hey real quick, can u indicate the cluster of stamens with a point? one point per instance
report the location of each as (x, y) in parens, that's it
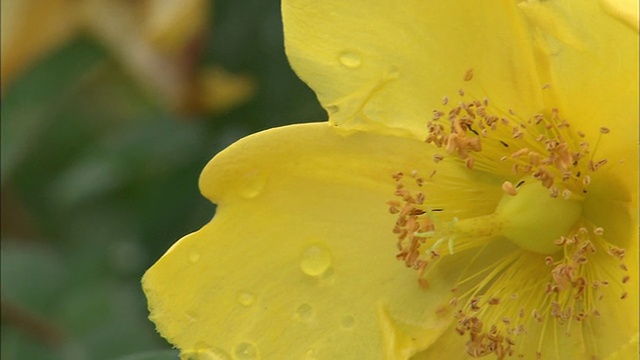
(541, 148)
(570, 295)
(549, 155)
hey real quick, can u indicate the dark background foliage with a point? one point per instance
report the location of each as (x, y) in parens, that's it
(99, 179)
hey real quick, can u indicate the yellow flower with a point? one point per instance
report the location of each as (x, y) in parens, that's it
(155, 40)
(517, 215)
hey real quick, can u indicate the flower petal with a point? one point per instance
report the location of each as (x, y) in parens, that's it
(299, 258)
(378, 65)
(589, 55)
(628, 351)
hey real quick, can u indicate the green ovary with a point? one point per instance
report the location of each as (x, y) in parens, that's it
(533, 220)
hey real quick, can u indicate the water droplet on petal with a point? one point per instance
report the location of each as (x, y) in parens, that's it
(245, 298)
(252, 184)
(350, 59)
(246, 351)
(348, 322)
(205, 354)
(304, 312)
(194, 256)
(316, 260)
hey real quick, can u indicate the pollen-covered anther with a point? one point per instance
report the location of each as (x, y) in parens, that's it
(394, 207)
(517, 133)
(509, 189)
(412, 224)
(481, 342)
(595, 166)
(545, 147)
(616, 252)
(468, 75)
(545, 280)
(521, 152)
(469, 163)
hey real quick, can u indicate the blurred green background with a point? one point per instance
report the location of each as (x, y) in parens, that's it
(101, 157)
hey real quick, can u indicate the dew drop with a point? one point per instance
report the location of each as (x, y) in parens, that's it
(304, 312)
(347, 322)
(194, 256)
(205, 354)
(245, 298)
(246, 351)
(252, 184)
(350, 59)
(316, 260)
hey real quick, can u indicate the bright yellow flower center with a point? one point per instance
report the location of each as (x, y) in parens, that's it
(533, 220)
(518, 205)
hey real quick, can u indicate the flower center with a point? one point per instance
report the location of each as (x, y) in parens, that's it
(534, 221)
(560, 266)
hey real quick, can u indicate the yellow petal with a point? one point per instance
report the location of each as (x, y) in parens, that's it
(589, 55)
(628, 351)
(299, 259)
(381, 64)
(625, 10)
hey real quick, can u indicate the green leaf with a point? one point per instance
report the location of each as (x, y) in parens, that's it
(29, 103)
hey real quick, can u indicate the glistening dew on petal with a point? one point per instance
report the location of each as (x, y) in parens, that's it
(552, 268)
(520, 220)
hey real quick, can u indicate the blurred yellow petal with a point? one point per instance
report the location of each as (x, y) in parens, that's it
(31, 28)
(157, 41)
(628, 351)
(220, 90)
(171, 25)
(119, 26)
(381, 64)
